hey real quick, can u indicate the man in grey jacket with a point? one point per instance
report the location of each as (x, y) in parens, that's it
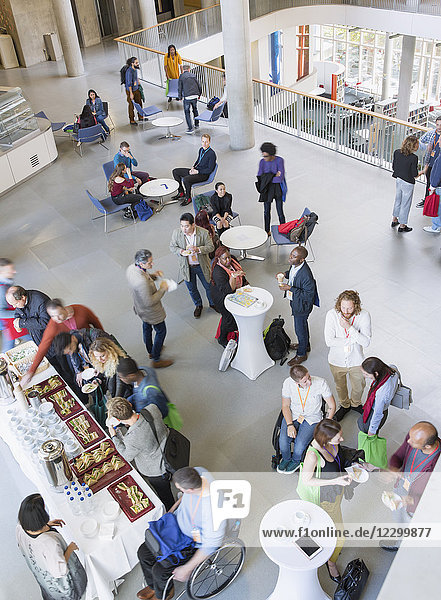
(189, 89)
(193, 245)
(148, 306)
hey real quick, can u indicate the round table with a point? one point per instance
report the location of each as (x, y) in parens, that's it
(158, 188)
(168, 122)
(298, 578)
(244, 238)
(251, 357)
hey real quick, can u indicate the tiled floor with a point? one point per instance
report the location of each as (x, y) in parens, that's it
(46, 228)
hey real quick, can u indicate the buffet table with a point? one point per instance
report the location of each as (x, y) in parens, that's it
(105, 560)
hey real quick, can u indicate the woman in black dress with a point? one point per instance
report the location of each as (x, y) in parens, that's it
(221, 204)
(226, 277)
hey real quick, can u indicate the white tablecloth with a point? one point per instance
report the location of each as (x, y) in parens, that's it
(105, 561)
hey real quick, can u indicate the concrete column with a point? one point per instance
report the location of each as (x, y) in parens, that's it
(237, 53)
(387, 67)
(68, 37)
(405, 82)
(148, 13)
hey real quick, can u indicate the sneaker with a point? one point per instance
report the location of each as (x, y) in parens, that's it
(185, 201)
(404, 229)
(394, 223)
(282, 466)
(420, 204)
(169, 100)
(127, 214)
(430, 229)
(196, 126)
(178, 196)
(292, 466)
(189, 131)
(342, 412)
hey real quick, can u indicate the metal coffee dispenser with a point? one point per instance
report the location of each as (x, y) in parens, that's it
(6, 393)
(55, 464)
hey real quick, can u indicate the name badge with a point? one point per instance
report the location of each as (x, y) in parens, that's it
(406, 484)
(433, 153)
(196, 535)
(289, 295)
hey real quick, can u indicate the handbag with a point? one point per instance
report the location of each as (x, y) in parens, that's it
(176, 452)
(353, 581)
(374, 449)
(99, 407)
(431, 205)
(310, 493)
(173, 419)
(144, 210)
(402, 397)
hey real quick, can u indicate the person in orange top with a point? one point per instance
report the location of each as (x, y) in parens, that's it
(62, 319)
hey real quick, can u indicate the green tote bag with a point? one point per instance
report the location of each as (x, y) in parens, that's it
(374, 449)
(308, 492)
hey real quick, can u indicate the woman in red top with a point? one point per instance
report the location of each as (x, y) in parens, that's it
(122, 189)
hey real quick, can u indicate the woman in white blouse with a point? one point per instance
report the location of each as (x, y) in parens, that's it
(52, 561)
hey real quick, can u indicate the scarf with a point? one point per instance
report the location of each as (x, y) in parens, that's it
(237, 267)
(371, 396)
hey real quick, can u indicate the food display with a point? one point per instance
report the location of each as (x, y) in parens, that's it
(47, 386)
(21, 358)
(85, 429)
(106, 473)
(64, 403)
(93, 457)
(133, 501)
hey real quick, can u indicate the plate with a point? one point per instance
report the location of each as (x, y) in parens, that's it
(88, 374)
(64, 403)
(124, 501)
(391, 500)
(93, 432)
(185, 253)
(93, 457)
(88, 388)
(359, 476)
(122, 467)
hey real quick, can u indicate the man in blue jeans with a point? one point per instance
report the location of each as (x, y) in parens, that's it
(189, 89)
(193, 245)
(302, 397)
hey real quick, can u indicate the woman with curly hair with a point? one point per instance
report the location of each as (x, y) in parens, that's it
(271, 183)
(105, 356)
(405, 171)
(347, 333)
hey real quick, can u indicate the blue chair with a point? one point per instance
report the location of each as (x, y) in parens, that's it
(146, 112)
(108, 169)
(54, 126)
(282, 240)
(211, 116)
(87, 136)
(106, 112)
(173, 89)
(208, 181)
(210, 193)
(107, 207)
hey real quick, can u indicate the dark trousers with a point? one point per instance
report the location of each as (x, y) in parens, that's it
(193, 104)
(274, 193)
(185, 180)
(154, 347)
(138, 100)
(192, 286)
(429, 170)
(364, 427)
(302, 332)
(156, 574)
(228, 325)
(162, 489)
(132, 199)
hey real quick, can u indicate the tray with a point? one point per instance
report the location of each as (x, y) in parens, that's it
(48, 386)
(109, 477)
(70, 410)
(93, 428)
(78, 470)
(123, 500)
(21, 357)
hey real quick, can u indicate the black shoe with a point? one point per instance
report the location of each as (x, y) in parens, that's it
(186, 201)
(420, 204)
(134, 123)
(197, 312)
(394, 223)
(335, 579)
(404, 229)
(178, 196)
(341, 413)
(358, 409)
(169, 100)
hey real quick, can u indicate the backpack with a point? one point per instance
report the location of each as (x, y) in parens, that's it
(122, 73)
(202, 202)
(277, 341)
(176, 453)
(212, 103)
(275, 459)
(165, 539)
(299, 230)
(144, 210)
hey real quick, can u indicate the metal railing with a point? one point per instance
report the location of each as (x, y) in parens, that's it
(355, 132)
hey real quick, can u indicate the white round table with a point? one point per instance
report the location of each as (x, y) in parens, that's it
(244, 238)
(168, 122)
(158, 188)
(298, 578)
(251, 357)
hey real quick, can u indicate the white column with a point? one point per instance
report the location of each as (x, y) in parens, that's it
(68, 37)
(237, 52)
(387, 67)
(148, 13)
(405, 82)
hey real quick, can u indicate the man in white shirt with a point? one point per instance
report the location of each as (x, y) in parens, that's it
(302, 397)
(347, 333)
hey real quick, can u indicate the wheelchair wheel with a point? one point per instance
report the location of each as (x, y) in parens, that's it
(217, 571)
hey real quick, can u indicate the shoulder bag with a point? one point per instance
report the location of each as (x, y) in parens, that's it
(353, 581)
(403, 396)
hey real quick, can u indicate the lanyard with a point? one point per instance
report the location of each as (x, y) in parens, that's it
(336, 457)
(201, 156)
(423, 461)
(346, 330)
(197, 506)
(306, 397)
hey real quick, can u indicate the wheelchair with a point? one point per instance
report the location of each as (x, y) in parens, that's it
(216, 572)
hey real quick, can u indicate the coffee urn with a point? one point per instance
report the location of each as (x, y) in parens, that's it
(6, 390)
(55, 464)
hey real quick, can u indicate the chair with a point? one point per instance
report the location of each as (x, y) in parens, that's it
(172, 89)
(108, 170)
(54, 126)
(106, 112)
(107, 207)
(211, 116)
(210, 193)
(146, 112)
(89, 135)
(207, 181)
(282, 240)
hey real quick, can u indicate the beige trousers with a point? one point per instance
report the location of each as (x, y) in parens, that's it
(357, 381)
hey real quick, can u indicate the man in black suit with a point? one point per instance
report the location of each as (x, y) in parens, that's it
(302, 293)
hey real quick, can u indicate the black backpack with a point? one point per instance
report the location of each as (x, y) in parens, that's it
(212, 103)
(122, 73)
(277, 341)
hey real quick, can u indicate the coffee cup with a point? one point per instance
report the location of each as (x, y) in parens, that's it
(302, 518)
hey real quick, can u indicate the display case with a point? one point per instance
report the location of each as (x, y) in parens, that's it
(17, 120)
